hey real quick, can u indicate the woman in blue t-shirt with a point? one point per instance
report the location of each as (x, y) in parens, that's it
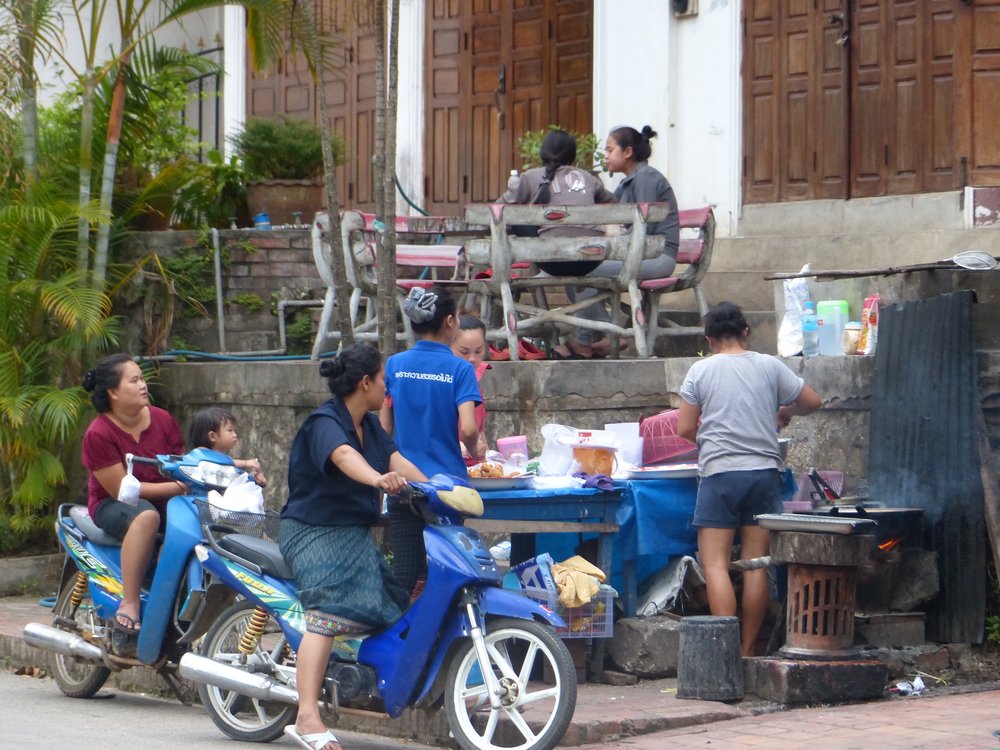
(430, 390)
(340, 464)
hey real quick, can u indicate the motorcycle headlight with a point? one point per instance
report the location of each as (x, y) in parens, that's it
(211, 474)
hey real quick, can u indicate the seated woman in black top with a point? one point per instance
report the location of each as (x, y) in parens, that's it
(340, 464)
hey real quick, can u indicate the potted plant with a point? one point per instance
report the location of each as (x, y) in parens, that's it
(284, 163)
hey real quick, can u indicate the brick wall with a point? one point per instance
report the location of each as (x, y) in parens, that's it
(272, 264)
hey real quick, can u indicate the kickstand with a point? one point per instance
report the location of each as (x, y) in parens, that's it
(175, 686)
(330, 700)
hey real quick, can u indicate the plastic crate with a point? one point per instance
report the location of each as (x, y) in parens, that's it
(660, 442)
(593, 620)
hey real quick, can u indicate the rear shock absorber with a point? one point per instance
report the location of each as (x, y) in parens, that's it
(79, 589)
(255, 629)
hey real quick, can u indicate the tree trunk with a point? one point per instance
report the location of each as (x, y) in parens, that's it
(115, 114)
(387, 271)
(342, 287)
(86, 172)
(29, 89)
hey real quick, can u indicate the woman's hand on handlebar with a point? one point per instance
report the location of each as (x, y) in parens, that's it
(391, 482)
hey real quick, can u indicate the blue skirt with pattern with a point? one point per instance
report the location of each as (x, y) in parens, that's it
(344, 582)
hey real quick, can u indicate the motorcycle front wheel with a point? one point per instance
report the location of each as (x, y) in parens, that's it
(537, 689)
(241, 717)
(77, 678)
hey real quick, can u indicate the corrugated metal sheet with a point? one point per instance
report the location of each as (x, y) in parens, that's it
(923, 451)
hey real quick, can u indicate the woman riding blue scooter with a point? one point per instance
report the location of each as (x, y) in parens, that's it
(340, 464)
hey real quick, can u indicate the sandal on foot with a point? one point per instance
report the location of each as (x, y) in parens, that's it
(316, 741)
(127, 623)
(124, 640)
(558, 356)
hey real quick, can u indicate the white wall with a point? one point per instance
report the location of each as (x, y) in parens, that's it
(681, 77)
(410, 105)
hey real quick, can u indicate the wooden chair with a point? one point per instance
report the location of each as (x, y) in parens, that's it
(695, 254)
(502, 250)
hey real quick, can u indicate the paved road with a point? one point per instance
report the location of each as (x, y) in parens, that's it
(34, 714)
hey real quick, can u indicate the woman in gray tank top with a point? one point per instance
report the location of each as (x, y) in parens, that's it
(742, 399)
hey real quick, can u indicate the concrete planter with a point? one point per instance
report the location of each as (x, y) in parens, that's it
(279, 198)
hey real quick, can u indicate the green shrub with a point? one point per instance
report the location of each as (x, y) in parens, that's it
(283, 149)
(249, 301)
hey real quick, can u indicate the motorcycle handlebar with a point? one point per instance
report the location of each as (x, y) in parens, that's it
(141, 459)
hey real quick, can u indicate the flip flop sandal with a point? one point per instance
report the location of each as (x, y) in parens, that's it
(124, 639)
(558, 356)
(316, 741)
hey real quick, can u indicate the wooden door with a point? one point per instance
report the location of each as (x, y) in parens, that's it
(496, 69)
(853, 98)
(287, 90)
(979, 88)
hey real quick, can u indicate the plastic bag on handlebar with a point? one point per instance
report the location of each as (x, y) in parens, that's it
(128, 490)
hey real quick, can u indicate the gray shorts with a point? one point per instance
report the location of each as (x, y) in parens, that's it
(731, 499)
(114, 517)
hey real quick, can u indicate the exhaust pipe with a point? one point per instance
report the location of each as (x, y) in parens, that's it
(208, 672)
(68, 644)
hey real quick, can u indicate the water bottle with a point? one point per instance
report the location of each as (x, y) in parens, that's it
(810, 331)
(514, 181)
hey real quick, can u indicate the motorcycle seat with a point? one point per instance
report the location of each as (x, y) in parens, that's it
(261, 552)
(93, 532)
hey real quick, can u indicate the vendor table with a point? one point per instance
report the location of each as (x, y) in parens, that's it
(646, 521)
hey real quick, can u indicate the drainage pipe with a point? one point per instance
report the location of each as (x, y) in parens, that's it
(220, 305)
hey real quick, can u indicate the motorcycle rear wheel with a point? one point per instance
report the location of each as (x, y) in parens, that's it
(77, 678)
(238, 716)
(523, 654)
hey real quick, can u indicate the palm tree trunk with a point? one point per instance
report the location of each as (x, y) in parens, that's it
(86, 168)
(342, 287)
(115, 114)
(385, 190)
(29, 88)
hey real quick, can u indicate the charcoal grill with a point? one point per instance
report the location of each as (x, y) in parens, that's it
(823, 555)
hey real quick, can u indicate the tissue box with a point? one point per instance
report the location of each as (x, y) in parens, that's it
(536, 573)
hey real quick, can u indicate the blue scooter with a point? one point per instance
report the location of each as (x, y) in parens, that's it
(489, 656)
(179, 600)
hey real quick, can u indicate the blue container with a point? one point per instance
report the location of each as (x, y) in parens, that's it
(262, 221)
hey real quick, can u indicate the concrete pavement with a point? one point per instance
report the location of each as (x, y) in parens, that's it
(649, 716)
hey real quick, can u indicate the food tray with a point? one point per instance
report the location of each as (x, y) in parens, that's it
(814, 523)
(666, 471)
(520, 482)
(592, 620)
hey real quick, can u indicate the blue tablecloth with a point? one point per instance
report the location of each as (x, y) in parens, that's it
(654, 518)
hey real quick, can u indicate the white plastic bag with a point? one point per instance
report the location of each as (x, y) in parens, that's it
(243, 496)
(790, 330)
(557, 457)
(128, 490)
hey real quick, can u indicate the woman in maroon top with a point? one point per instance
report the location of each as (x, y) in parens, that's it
(126, 423)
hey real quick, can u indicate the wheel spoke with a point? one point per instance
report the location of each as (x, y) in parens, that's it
(539, 695)
(502, 660)
(528, 664)
(228, 698)
(259, 708)
(491, 725)
(518, 721)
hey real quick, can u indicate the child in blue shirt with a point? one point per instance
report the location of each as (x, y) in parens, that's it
(429, 390)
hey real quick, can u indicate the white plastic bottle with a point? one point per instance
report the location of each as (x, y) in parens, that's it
(810, 330)
(514, 181)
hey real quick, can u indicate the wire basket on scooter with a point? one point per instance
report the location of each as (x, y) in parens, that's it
(218, 522)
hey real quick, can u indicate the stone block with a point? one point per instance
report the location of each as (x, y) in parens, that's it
(795, 682)
(917, 580)
(646, 646)
(890, 629)
(937, 660)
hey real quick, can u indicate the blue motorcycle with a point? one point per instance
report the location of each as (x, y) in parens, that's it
(179, 604)
(489, 656)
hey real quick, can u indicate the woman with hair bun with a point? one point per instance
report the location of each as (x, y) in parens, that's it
(742, 399)
(627, 151)
(431, 390)
(127, 423)
(340, 464)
